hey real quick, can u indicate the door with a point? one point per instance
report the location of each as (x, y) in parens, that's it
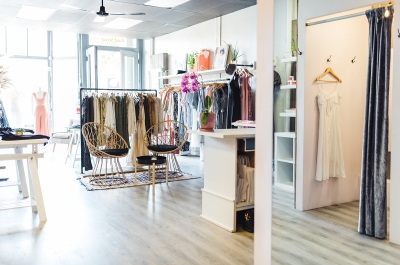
(129, 70)
(91, 67)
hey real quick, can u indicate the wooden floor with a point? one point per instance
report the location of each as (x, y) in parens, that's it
(137, 226)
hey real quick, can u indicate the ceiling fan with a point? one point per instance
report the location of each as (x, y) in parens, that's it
(102, 12)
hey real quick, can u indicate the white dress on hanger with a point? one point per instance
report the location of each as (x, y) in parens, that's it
(330, 154)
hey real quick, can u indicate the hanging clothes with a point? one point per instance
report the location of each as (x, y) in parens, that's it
(40, 113)
(330, 161)
(3, 116)
(234, 106)
(87, 116)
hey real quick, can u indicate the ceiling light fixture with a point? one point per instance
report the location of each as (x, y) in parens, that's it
(165, 3)
(122, 23)
(386, 12)
(35, 13)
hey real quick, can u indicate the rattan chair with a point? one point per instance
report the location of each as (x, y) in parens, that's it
(105, 144)
(166, 138)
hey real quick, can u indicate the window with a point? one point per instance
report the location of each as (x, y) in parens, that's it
(37, 42)
(112, 41)
(2, 40)
(17, 41)
(65, 44)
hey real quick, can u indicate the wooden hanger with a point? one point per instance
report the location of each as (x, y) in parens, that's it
(329, 71)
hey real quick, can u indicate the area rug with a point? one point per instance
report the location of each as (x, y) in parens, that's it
(142, 179)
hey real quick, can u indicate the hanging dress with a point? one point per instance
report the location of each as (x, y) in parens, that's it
(41, 125)
(3, 116)
(330, 154)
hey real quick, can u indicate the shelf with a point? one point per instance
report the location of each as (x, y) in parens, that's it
(207, 72)
(244, 206)
(252, 125)
(286, 160)
(286, 134)
(288, 114)
(289, 87)
(290, 59)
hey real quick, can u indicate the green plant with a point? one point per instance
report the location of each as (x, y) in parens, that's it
(192, 58)
(234, 51)
(206, 110)
(20, 130)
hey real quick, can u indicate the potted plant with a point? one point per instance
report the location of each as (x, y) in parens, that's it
(234, 51)
(19, 131)
(192, 59)
(207, 118)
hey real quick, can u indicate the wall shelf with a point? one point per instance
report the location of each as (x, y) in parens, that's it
(288, 60)
(207, 72)
(288, 87)
(288, 114)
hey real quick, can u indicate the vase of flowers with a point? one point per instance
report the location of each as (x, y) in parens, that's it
(189, 82)
(207, 118)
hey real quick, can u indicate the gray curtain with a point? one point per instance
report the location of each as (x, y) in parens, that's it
(372, 219)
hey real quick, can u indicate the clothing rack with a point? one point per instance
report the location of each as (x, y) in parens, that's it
(82, 90)
(201, 82)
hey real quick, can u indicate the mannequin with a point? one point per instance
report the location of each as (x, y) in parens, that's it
(39, 93)
(40, 112)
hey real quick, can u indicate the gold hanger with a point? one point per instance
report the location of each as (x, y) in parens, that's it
(329, 71)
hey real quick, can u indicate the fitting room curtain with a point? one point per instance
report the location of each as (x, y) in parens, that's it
(372, 219)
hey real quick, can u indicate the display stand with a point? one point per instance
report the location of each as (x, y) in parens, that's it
(221, 149)
(285, 162)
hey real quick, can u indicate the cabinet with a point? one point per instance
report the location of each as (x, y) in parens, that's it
(285, 160)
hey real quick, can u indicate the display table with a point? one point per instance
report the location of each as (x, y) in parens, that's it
(31, 155)
(220, 174)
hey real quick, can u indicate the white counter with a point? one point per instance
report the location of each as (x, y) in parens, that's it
(220, 176)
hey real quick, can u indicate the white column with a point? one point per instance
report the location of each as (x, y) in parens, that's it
(264, 113)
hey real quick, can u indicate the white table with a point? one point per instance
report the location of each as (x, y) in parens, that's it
(31, 155)
(220, 176)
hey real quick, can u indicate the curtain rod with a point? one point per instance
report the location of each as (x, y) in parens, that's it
(337, 18)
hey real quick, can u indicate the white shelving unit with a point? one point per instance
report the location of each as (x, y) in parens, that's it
(285, 163)
(290, 59)
(288, 114)
(288, 86)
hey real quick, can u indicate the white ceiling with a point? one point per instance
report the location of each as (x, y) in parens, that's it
(156, 22)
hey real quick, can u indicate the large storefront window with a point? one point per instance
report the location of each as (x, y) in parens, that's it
(27, 75)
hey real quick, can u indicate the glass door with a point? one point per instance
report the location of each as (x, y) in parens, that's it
(129, 70)
(91, 67)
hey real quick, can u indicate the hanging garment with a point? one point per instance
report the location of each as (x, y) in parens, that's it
(41, 125)
(3, 116)
(110, 114)
(234, 108)
(140, 148)
(330, 155)
(87, 116)
(131, 128)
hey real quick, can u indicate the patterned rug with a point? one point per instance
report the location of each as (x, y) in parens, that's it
(142, 179)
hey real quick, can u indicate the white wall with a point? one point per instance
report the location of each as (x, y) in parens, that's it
(213, 33)
(309, 9)
(343, 40)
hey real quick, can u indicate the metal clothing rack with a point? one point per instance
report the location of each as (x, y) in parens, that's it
(82, 90)
(200, 82)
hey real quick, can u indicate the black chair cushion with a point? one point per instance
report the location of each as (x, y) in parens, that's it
(162, 148)
(116, 152)
(146, 160)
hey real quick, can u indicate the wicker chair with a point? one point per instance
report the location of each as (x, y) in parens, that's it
(105, 144)
(166, 138)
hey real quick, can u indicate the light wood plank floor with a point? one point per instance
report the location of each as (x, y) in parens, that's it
(137, 226)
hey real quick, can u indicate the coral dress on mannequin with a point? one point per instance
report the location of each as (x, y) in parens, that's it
(41, 125)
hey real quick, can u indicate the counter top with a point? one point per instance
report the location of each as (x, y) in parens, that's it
(228, 133)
